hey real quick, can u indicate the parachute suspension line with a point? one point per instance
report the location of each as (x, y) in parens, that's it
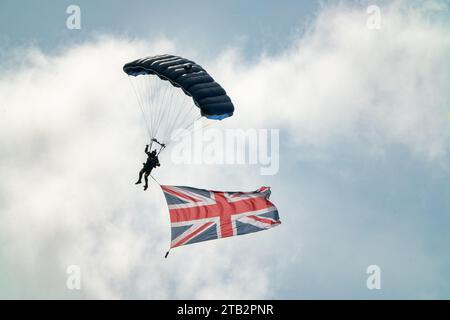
(147, 106)
(205, 124)
(173, 120)
(189, 126)
(151, 102)
(148, 103)
(188, 129)
(162, 101)
(181, 118)
(167, 112)
(175, 104)
(181, 103)
(150, 96)
(184, 126)
(155, 180)
(140, 107)
(187, 115)
(168, 109)
(161, 149)
(165, 101)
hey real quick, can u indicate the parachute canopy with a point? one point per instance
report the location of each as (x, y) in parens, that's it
(207, 94)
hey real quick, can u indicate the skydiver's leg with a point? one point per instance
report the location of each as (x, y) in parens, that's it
(146, 180)
(140, 176)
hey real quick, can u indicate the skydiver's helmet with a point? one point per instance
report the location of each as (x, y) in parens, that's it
(153, 153)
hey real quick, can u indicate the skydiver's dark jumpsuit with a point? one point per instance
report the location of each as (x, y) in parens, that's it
(152, 162)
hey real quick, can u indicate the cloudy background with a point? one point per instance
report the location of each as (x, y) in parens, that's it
(364, 157)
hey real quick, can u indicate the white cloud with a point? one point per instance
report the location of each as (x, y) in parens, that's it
(71, 140)
(343, 81)
(72, 144)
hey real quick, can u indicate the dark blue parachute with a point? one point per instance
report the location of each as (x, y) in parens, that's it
(207, 94)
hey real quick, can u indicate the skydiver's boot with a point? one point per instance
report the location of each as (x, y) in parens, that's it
(140, 177)
(146, 182)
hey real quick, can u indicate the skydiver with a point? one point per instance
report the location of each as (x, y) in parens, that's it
(151, 163)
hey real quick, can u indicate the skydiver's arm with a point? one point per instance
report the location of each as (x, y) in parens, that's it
(146, 149)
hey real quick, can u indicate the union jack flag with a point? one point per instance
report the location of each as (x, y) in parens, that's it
(199, 215)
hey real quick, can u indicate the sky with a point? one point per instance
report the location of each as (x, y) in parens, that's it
(364, 121)
(260, 26)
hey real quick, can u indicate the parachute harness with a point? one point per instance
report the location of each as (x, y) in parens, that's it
(162, 146)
